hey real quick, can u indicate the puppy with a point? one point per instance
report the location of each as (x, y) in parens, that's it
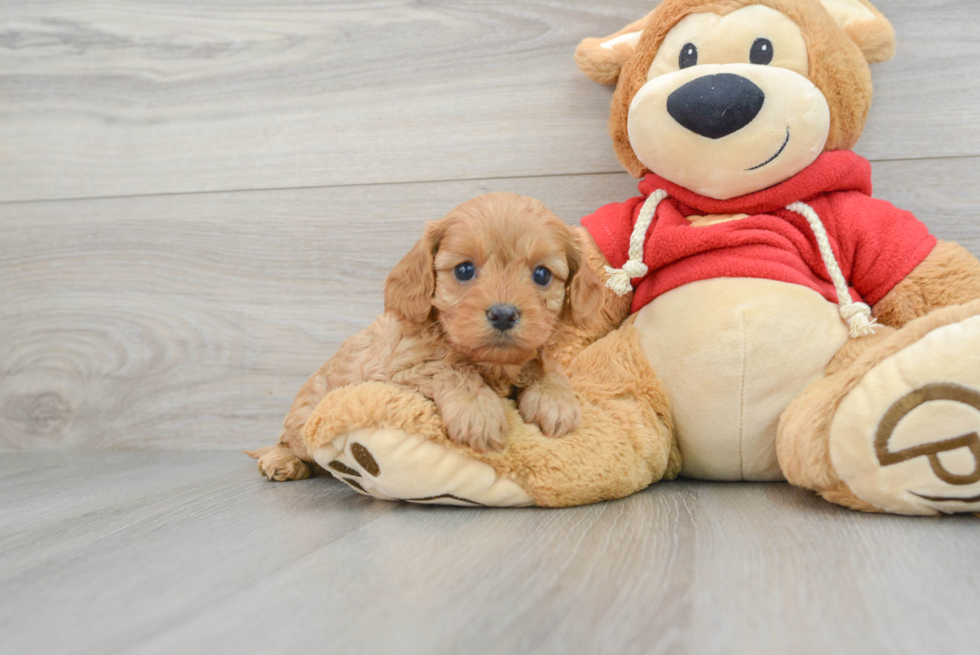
(470, 316)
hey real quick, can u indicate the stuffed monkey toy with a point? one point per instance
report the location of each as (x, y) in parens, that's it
(802, 329)
(765, 318)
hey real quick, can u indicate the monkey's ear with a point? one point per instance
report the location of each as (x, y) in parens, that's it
(412, 283)
(866, 26)
(601, 58)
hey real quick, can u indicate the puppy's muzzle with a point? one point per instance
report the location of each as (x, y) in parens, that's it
(716, 105)
(503, 317)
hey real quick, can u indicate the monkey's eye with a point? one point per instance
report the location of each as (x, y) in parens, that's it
(761, 52)
(542, 276)
(689, 56)
(464, 271)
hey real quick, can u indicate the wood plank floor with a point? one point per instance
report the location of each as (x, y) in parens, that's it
(190, 553)
(200, 200)
(178, 321)
(124, 97)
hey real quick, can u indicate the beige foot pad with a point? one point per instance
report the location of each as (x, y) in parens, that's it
(388, 441)
(392, 464)
(905, 439)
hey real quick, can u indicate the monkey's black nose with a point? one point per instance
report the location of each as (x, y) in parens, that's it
(716, 105)
(503, 317)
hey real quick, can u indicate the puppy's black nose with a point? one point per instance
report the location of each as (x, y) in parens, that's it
(716, 105)
(503, 317)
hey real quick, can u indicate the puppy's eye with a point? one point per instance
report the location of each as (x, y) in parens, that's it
(761, 52)
(689, 56)
(464, 271)
(542, 276)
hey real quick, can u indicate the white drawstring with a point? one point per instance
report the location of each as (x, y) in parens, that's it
(857, 315)
(619, 278)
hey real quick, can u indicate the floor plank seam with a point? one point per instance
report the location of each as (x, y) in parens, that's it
(460, 180)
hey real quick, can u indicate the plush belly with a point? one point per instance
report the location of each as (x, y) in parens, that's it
(733, 353)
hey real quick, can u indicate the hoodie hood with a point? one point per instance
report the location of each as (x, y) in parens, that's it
(840, 170)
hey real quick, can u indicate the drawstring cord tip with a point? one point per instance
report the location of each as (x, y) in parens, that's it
(620, 279)
(858, 318)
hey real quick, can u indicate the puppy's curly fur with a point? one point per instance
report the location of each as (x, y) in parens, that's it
(438, 336)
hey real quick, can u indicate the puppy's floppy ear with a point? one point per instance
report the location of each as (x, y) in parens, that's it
(411, 284)
(866, 26)
(602, 58)
(584, 291)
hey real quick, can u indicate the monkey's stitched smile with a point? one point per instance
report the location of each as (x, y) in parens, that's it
(773, 158)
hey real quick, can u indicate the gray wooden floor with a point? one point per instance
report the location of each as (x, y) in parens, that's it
(200, 200)
(155, 552)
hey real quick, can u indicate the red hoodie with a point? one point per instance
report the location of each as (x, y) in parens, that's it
(875, 243)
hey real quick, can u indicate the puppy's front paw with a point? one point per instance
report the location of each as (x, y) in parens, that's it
(552, 407)
(475, 420)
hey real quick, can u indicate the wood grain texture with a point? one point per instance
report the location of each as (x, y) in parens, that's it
(190, 321)
(126, 98)
(161, 321)
(193, 553)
